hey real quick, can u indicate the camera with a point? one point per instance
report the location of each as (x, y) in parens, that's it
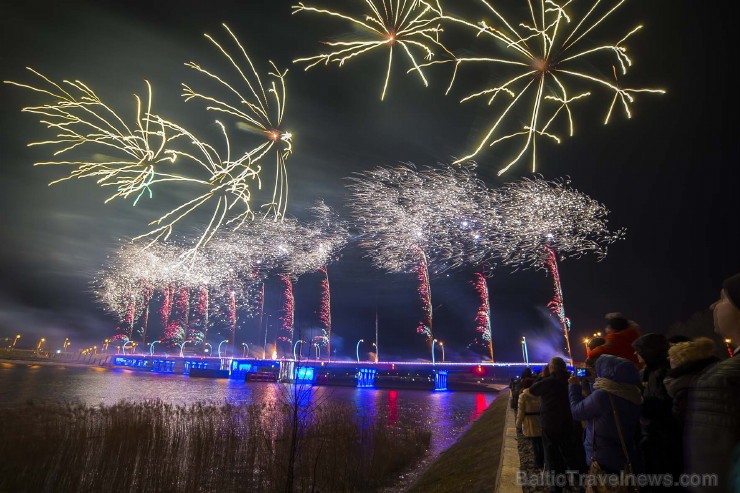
(582, 372)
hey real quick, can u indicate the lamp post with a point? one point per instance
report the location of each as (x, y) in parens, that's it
(318, 350)
(182, 355)
(434, 343)
(728, 343)
(357, 349)
(245, 349)
(151, 348)
(376, 351)
(299, 341)
(525, 351)
(66, 344)
(586, 340)
(41, 343)
(15, 340)
(210, 348)
(219, 346)
(124, 345)
(442, 345)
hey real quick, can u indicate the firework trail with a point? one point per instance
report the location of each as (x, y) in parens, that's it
(165, 310)
(543, 218)
(543, 64)
(257, 110)
(125, 330)
(199, 321)
(288, 312)
(425, 296)
(325, 311)
(408, 25)
(177, 326)
(146, 293)
(483, 315)
(557, 304)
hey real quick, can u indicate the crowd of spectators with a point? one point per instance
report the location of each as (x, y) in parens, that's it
(647, 404)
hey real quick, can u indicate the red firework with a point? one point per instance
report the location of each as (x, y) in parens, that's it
(146, 294)
(176, 329)
(425, 295)
(124, 330)
(288, 310)
(556, 305)
(166, 309)
(483, 315)
(325, 309)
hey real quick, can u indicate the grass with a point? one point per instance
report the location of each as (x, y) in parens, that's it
(471, 464)
(159, 447)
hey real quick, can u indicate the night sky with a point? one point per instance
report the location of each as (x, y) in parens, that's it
(669, 175)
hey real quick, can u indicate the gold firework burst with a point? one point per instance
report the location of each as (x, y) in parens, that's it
(548, 54)
(409, 24)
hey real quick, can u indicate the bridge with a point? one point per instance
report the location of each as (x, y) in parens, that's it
(437, 376)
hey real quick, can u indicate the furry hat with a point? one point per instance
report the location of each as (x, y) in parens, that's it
(700, 348)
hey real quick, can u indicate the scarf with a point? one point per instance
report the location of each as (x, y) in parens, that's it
(624, 390)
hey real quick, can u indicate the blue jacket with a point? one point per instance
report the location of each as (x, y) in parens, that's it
(597, 409)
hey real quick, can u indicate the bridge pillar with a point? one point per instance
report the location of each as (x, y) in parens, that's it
(366, 377)
(440, 380)
(287, 371)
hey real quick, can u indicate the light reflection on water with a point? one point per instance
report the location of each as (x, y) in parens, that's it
(447, 413)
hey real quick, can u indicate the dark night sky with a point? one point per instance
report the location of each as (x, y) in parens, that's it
(669, 175)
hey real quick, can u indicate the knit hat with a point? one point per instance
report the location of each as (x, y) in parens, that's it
(701, 348)
(732, 288)
(653, 348)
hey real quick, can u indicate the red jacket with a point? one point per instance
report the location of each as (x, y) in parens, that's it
(618, 344)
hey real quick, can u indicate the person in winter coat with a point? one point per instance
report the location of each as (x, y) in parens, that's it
(617, 382)
(661, 444)
(688, 361)
(563, 450)
(620, 334)
(528, 419)
(713, 417)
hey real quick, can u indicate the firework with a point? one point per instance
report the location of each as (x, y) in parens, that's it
(544, 64)
(325, 311)
(198, 329)
(410, 25)
(256, 109)
(423, 221)
(483, 315)
(541, 218)
(177, 327)
(443, 212)
(288, 310)
(557, 304)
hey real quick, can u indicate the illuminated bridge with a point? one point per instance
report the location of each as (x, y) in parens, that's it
(439, 376)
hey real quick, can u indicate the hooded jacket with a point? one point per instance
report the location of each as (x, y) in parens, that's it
(619, 344)
(596, 410)
(528, 414)
(681, 379)
(555, 414)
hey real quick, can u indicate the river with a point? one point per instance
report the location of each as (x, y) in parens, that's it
(447, 413)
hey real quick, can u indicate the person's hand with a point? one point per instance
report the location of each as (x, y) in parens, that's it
(574, 379)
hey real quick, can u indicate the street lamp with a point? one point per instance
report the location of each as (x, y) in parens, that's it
(245, 349)
(376, 351)
(15, 340)
(434, 343)
(525, 351)
(219, 346)
(442, 345)
(210, 350)
(151, 347)
(299, 341)
(182, 355)
(728, 342)
(124, 345)
(66, 344)
(41, 343)
(318, 350)
(357, 349)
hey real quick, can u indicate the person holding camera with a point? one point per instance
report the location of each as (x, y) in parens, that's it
(612, 416)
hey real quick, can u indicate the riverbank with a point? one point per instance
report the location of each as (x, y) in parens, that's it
(472, 463)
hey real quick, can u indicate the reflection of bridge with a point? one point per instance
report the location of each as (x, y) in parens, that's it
(384, 374)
